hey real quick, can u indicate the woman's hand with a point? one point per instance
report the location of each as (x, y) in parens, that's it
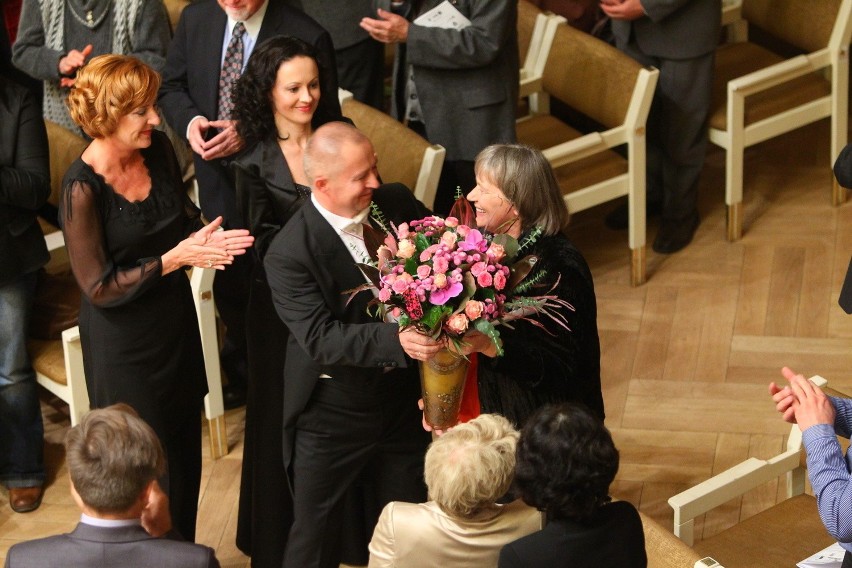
(203, 250)
(474, 342)
(426, 426)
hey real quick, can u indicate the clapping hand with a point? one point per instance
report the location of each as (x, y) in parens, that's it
(802, 402)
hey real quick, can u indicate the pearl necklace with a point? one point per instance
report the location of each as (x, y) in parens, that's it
(90, 21)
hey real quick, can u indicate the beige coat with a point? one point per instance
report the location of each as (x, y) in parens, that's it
(412, 535)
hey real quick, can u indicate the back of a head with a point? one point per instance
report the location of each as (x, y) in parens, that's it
(321, 157)
(471, 466)
(566, 462)
(112, 455)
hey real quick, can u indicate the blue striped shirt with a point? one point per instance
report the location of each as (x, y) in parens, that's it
(829, 472)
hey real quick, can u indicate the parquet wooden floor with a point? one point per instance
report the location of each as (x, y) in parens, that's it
(685, 358)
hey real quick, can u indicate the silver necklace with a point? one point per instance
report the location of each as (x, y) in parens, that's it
(90, 20)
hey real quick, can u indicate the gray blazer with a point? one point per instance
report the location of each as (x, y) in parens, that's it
(467, 80)
(673, 29)
(119, 547)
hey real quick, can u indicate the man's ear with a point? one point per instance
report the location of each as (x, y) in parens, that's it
(321, 184)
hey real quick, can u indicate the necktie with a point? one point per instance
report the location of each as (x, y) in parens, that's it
(232, 67)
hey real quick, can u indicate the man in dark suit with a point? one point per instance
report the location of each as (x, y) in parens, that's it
(457, 87)
(190, 99)
(114, 459)
(24, 187)
(678, 37)
(352, 393)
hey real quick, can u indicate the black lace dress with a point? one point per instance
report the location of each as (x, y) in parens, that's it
(542, 366)
(138, 328)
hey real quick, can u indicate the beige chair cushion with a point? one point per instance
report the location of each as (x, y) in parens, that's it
(738, 59)
(48, 359)
(784, 19)
(779, 536)
(65, 147)
(545, 131)
(399, 149)
(664, 549)
(574, 75)
(174, 8)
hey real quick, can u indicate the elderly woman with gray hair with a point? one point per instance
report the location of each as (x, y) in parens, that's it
(467, 470)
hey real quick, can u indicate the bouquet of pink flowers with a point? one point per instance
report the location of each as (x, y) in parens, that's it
(445, 278)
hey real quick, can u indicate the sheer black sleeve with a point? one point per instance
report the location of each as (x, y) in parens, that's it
(102, 282)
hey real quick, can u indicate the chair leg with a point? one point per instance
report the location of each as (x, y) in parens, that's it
(637, 266)
(218, 437)
(838, 193)
(735, 221)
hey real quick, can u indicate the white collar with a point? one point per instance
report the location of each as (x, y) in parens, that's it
(339, 223)
(253, 23)
(108, 523)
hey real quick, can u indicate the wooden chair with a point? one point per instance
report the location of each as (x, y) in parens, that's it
(201, 281)
(536, 30)
(614, 90)
(759, 94)
(782, 535)
(174, 8)
(404, 155)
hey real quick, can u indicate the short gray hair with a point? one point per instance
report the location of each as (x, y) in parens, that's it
(525, 176)
(472, 465)
(112, 455)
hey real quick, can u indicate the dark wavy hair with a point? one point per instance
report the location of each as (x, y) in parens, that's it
(565, 462)
(252, 103)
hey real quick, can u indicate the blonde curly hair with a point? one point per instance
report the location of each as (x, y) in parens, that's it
(109, 87)
(472, 465)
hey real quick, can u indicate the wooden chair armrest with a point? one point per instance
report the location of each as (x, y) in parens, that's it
(54, 240)
(585, 146)
(773, 75)
(732, 12)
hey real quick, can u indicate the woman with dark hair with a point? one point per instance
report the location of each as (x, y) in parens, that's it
(565, 463)
(130, 231)
(275, 104)
(517, 193)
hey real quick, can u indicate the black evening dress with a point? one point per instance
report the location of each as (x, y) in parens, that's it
(554, 364)
(138, 328)
(267, 197)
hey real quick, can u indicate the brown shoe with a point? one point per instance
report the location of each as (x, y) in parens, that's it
(25, 499)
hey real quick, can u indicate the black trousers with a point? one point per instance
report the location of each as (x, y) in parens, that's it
(847, 560)
(344, 431)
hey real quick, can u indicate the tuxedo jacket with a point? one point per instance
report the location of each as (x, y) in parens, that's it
(191, 84)
(467, 80)
(612, 537)
(422, 535)
(673, 29)
(308, 268)
(24, 182)
(119, 547)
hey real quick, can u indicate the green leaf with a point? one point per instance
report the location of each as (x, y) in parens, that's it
(434, 316)
(488, 329)
(404, 320)
(421, 242)
(411, 265)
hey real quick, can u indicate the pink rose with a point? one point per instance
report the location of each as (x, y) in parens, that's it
(497, 252)
(449, 239)
(473, 309)
(478, 268)
(399, 286)
(451, 222)
(384, 294)
(440, 280)
(423, 271)
(440, 264)
(499, 280)
(457, 323)
(484, 279)
(406, 249)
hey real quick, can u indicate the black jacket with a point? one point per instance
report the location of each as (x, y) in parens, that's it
(24, 182)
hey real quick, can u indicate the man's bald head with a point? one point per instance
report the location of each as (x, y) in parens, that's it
(322, 154)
